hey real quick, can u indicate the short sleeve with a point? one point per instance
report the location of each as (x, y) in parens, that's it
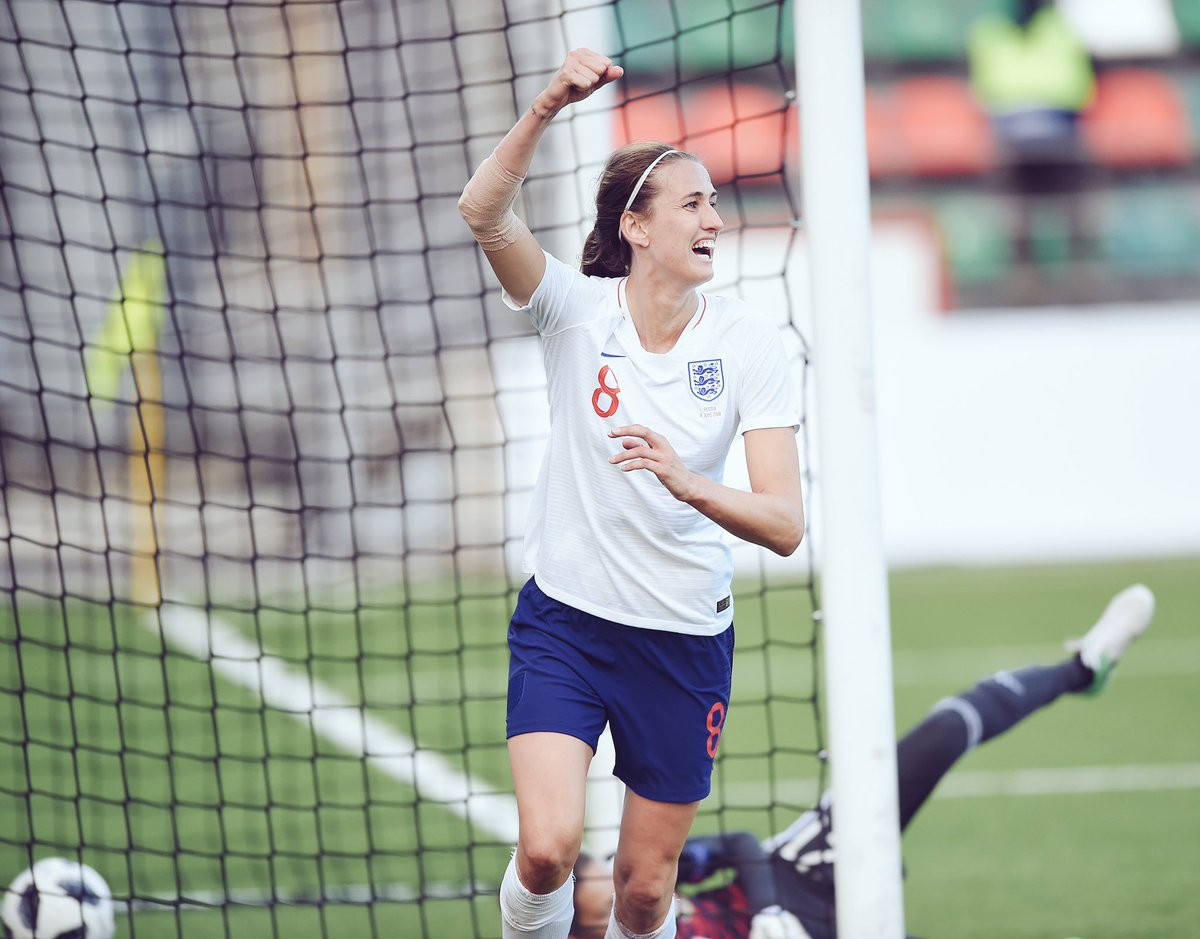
(565, 297)
(769, 395)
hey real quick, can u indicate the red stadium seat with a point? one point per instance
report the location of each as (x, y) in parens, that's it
(929, 126)
(885, 148)
(1137, 119)
(649, 117)
(941, 130)
(738, 130)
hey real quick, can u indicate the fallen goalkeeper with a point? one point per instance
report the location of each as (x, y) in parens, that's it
(783, 888)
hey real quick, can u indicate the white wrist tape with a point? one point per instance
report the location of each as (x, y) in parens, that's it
(486, 205)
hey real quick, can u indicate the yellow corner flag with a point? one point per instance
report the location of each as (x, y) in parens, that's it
(132, 323)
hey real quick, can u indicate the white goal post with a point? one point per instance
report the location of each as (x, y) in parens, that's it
(856, 629)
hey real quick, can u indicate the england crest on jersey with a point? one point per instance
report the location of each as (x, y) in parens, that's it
(707, 379)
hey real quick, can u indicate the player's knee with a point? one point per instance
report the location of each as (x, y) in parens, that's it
(545, 860)
(643, 890)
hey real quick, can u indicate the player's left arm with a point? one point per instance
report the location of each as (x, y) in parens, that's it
(771, 514)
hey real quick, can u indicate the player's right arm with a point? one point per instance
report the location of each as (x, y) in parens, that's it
(486, 202)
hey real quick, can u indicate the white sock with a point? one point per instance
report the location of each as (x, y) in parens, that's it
(525, 915)
(665, 931)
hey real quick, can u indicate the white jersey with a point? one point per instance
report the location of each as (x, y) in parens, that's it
(617, 544)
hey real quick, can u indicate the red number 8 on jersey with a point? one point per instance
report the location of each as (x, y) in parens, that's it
(715, 722)
(606, 392)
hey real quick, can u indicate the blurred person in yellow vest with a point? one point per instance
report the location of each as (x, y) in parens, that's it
(1033, 64)
(1034, 76)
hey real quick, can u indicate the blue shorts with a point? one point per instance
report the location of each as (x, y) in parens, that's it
(665, 695)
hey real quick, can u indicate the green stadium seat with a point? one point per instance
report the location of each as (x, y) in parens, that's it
(1152, 230)
(701, 37)
(1187, 16)
(1050, 241)
(977, 237)
(923, 30)
(639, 23)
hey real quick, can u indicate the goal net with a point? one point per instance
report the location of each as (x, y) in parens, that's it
(267, 435)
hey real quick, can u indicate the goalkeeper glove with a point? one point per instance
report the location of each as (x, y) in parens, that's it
(776, 923)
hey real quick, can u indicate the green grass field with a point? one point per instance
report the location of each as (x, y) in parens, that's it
(1121, 861)
(178, 781)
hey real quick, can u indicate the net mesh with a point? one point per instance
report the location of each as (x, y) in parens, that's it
(267, 435)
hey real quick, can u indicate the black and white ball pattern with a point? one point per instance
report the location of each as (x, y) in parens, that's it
(58, 899)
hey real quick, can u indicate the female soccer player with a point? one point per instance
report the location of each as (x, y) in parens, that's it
(784, 888)
(627, 619)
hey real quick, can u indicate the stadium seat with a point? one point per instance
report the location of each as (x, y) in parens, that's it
(711, 40)
(739, 130)
(941, 130)
(902, 29)
(923, 30)
(885, 149)
(701, 37)
(1188, 87)
(1137, 119)
(646, 116)
(1187, 16)
(977, 237)
(1151, 231)
(1050, 239)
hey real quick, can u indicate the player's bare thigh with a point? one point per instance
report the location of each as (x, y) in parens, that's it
(549, 774)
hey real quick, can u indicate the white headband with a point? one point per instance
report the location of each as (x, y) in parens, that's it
(642, 179)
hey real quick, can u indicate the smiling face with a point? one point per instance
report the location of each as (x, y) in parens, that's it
(677, 234)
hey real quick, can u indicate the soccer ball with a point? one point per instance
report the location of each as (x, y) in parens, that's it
(58, 899)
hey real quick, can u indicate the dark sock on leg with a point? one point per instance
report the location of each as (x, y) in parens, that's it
(966, 720)
(924, 756)
(1007, 698)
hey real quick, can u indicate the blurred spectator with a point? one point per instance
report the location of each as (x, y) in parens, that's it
(1034, 76)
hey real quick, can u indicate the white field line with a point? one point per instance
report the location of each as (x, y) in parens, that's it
(349, 895)
(1076, 780)
(337, 719)
(976, 784)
